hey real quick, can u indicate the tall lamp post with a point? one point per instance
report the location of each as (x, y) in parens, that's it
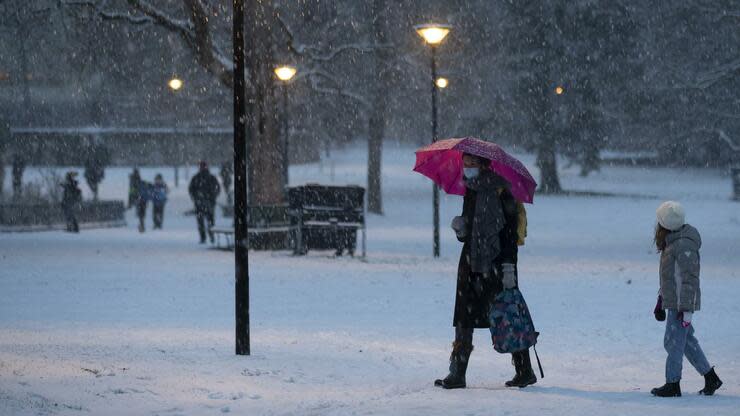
(175, 85)
(433, 35)
(241, 253)
(285, 73)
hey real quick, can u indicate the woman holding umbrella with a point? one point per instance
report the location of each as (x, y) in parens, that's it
(489, 231)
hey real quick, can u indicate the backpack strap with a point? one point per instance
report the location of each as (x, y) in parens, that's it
(521, 223)
(542, 373)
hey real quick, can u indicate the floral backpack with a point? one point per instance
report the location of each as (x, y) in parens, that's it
(512, 328)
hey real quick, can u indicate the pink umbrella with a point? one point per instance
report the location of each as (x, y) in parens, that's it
(442, 163)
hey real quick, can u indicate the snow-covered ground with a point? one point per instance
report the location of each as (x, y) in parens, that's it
(113, 322)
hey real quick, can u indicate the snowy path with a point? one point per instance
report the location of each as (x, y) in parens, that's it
(117, 323)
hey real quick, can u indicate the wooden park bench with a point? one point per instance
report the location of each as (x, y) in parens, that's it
(268, 228)
(317, 217)
(327, 218)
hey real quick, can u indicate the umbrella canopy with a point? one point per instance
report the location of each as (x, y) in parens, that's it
(442, 163)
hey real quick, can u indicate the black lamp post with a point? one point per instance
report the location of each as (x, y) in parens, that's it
(433, 35)
(175, 85)
(285, 73)
(241, 253)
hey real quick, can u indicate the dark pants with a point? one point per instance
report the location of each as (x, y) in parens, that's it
(141, 213)
(204, 216)
(158, 214)
(71, 217)
(464, 336)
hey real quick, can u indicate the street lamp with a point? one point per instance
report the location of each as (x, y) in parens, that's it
(559, 90)
(442, 82)
(285, 73)
(175, 84)
(433, 35)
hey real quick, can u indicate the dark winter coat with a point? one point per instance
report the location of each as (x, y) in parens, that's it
(71, 196)
(475, 291)
(679, 270)
(134, 183)
(159, 193)
(488, 220)
(204, 189)
(143, 197)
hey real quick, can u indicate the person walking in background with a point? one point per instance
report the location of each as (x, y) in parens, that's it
(227, 172)
(204, 190)
(134, 181)
(144, 195)
(71, 202)
(2, 176)
(159, 199)
(678, 299)
(488, 227)
(19, 165)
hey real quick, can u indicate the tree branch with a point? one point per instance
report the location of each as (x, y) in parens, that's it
(715, 75)
(100, 8)
(184, 27)
(317, 54)
(315, 77)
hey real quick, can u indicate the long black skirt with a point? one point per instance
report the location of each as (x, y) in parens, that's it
(475, 294)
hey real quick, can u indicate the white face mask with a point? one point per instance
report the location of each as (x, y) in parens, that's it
(470, 172)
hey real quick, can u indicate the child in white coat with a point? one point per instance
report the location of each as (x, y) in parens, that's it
(680, 296)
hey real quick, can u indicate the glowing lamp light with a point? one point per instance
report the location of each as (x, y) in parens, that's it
(559, 90)
(285, 73)
(433, 34)
(175, 84)
(442, 82)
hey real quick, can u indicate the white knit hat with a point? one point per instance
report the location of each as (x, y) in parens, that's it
(671, 215)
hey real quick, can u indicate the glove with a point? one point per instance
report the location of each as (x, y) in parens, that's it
(685, 318)
(509, 279)
(659, 311)
(459, 226)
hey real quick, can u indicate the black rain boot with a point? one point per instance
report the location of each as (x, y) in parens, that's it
(458, 366)
(711, 383)
(516, 359)
(524, 374)
(668, 390)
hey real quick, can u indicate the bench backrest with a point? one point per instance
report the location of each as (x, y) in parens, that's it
(266, 216)
(328, 203)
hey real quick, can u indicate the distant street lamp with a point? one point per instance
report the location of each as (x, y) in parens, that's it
(433, 35)
(175, 84)
(285, 73)
(559, 90)
(442, 82)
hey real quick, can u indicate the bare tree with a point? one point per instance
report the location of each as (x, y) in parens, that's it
(377, 122)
